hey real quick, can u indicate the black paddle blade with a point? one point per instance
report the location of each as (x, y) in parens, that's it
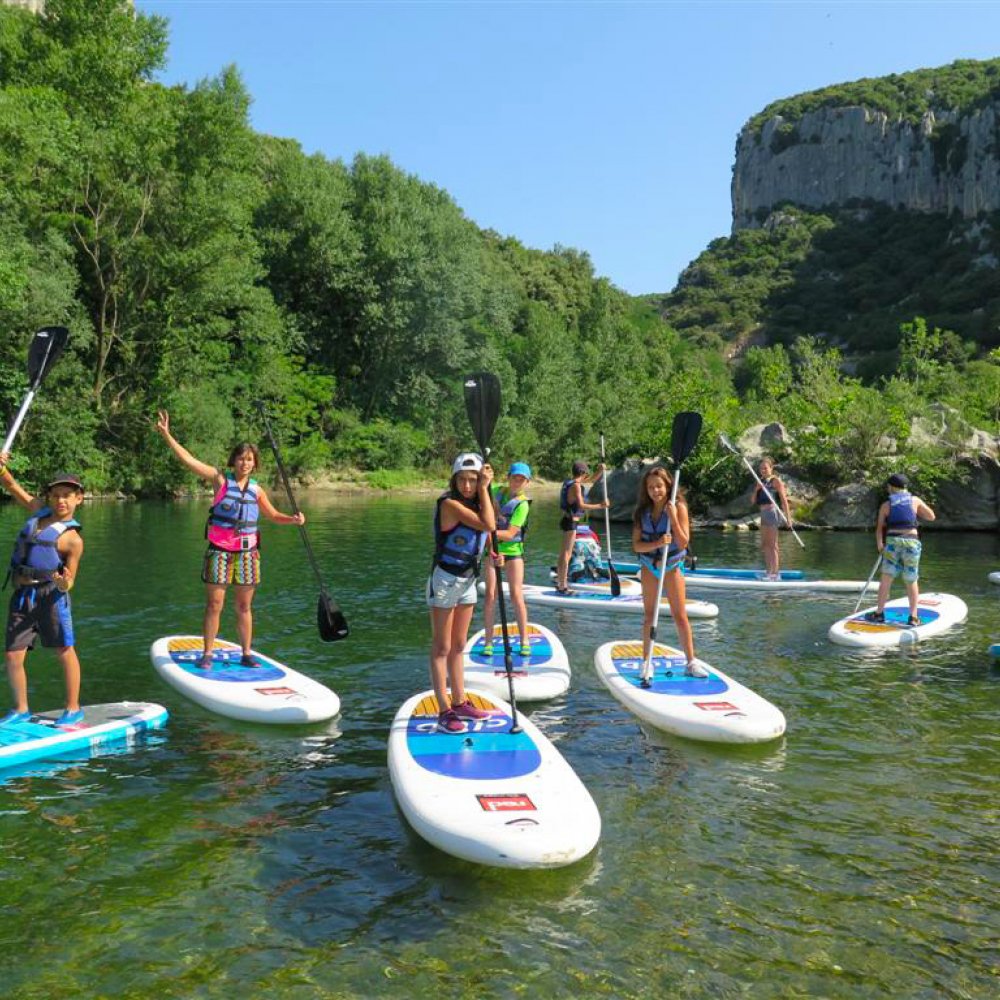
(330, 620)
(687, 428)
(482, 403)
(616, 584)
(46, 347)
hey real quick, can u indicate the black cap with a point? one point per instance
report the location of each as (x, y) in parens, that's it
(580, 468)
(898, 480)
(65, 479)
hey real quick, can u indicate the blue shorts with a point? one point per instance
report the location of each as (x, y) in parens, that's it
(39, 612)
(901, 556)
(675, 561)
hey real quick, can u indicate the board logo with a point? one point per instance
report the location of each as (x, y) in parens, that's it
(276, 690)
(506, 802)
(513, 673)
(716, 706)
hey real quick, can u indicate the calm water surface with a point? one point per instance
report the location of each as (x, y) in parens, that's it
(855, 858)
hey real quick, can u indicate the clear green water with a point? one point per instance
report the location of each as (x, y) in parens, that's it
(855, 858)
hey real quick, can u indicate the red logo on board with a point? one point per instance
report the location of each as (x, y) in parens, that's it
(506, 803)
(716, 706)
(281, 690)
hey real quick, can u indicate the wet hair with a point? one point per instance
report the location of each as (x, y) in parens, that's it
(643, 502)
(241, 449)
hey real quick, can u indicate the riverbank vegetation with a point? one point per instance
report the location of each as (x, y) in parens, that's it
(201, 267)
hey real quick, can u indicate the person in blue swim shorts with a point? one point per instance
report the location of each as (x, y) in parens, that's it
(898, 541)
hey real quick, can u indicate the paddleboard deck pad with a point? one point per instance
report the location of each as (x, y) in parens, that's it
(937, 613)
(488, 795)
(545, 673)
(626, 604)
(103, 725)
(267, 692)
(716, 708)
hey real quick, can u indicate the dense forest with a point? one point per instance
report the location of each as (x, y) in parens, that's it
(202, 267)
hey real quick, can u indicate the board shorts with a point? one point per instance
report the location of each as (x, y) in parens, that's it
(568, 523)
(901, 556)
(445, 590)
(40, 611)
(769, 517)
(222, 568)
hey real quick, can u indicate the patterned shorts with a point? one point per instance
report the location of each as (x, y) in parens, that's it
(901, 555)
(223, 568)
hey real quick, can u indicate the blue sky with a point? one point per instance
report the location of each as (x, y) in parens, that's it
(609, 127)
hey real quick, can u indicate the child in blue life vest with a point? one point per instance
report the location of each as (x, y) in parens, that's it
(463, 519)
(43, 568)
(512, 508)
(661, 533)
(897, 538)
(233, 556)
(574, 506)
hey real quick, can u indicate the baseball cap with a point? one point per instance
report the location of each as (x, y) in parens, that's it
(580, 468)
(898, 480)
(520, 469)
(468, 461)
(65, 479)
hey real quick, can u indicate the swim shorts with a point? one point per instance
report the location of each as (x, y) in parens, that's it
(223, 568)
(40, 611)
(901, 555)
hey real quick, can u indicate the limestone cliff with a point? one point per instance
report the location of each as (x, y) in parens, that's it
(947, 161)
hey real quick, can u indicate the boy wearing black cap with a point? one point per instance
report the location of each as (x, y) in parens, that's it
(897, 539)
(46, 557)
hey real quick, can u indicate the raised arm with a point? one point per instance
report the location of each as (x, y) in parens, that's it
(924, 512)
(272, 513)
(13, 487)
(198, 467)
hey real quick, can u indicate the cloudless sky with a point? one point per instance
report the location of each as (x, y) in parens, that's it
(605, 126)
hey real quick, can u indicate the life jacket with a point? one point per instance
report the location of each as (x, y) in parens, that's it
(901, 514)
(760, 498)
(234, 516)
(35, 558)
(575, 510)
(650, 531)
(506, 512)
(457, 551)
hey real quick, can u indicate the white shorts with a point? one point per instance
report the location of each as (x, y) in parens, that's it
(445, 590)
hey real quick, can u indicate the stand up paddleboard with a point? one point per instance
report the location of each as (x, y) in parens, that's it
(40, 738)
(789, 581)
(488, 795)
(937, 613)
(732, 573)
(995, 650)
(266, 692)
(543, 674)
(714, 708)
(627, 603)
(994, 577)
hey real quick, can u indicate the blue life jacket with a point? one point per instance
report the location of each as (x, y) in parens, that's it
(650, 531)
(457, 551)
(35, 558)
(574, 510)
(234, 516)
(506, 512)
(760, 498)
(901, 515)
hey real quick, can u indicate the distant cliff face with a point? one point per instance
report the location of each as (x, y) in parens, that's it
(947, 162)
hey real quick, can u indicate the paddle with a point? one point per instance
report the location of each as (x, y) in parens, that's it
(683, 438)
(726, 443)
(616, 584)
(868, 583)
(482, 403)
(329, 618)
(46, 347)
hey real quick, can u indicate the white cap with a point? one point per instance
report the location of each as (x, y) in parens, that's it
(468, 461)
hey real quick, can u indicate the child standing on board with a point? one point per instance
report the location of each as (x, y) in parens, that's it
(770, 518)
(660, 536)
(512, 508)
(898, 540)
(574, 507)
(463, 519)
(43, 568)
(233, 555)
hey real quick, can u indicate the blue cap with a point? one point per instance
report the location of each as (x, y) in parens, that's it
(520, 469)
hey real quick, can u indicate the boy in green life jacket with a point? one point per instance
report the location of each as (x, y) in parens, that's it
(46, 558)
(512, 509)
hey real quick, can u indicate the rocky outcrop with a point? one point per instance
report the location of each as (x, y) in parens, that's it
(949, 162)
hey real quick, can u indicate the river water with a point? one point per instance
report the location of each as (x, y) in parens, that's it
(856, 857)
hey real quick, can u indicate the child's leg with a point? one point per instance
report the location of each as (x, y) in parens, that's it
(649, 583)
(244, 617)
(769, 547)
(215, 598)
(676, 592)
(913, 596)
(491, 597)
(18, 678)
(515, 582)
(441, 629)
(456, 658)
(562, 566)
(71, 675)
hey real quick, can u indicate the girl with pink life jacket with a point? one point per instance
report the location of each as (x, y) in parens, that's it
(233, 554)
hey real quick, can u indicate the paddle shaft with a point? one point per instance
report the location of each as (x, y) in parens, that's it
(616, 586)
(868, 583)
(648, 661)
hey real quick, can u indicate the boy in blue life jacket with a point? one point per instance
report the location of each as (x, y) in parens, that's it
(43, 568)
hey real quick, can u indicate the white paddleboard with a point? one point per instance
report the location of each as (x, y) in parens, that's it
(627, 603)
(791, 581)
(39, 737)
(266, 692)
(937, 613)
(543, 674)
(716, 708)
(488, 795)
(994, 578)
